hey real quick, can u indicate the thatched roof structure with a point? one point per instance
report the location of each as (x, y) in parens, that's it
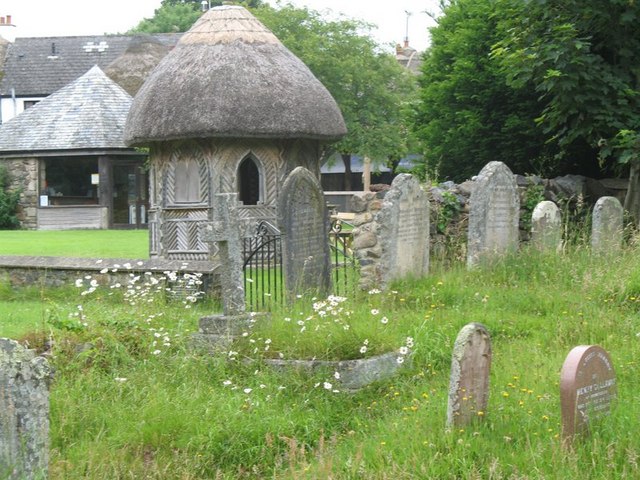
(229, 76)
(131, 68)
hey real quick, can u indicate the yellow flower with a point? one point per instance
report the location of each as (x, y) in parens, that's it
(480, 413)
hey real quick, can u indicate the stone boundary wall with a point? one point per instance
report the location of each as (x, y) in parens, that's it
(24, 271)
(366, 244)
(23, 175)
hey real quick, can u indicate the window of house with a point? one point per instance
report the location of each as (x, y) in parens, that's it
(249, 182)
(187, 183)
(29, 103)
(68, 180)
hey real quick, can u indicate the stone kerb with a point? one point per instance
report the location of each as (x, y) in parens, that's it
(494, 214)
(587, 388)
(469, 382)
(304, 222)
(546, 227)
(607, 225)
(391, 238)
(24, 412)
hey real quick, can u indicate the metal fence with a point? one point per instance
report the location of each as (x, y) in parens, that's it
(263, 273)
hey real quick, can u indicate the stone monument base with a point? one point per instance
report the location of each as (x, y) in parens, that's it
(217, 332)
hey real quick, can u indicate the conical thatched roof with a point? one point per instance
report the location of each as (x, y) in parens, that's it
(229, 76)
(131, 68)
(87, 114)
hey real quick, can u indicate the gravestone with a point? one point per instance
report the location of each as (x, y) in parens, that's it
(304, 222)
(403, 230)
(606, 225)
(216, 332)
(469, 382)
(494, 214)
(587, 388)
(546, 227)
(24, 412)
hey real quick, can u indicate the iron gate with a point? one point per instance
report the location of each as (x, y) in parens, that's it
(263, 273)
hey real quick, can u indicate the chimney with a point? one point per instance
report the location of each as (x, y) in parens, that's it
(9, 19)
(406, 42)
(1, 20)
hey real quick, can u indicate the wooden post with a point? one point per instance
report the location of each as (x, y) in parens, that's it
(366, 174)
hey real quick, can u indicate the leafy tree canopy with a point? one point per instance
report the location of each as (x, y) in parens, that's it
(468, 114)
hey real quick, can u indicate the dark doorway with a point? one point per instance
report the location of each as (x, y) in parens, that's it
(249, 182)
(130, 186)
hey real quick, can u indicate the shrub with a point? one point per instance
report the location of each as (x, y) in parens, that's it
(8, 202)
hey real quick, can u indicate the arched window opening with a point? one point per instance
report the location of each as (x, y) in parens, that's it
(249, 182)
(187, 181)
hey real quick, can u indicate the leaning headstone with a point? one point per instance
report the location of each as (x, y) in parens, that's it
(587, 388)
(546, 227)
(24, 412)
(304, 222)
(493, 215)
(403, 230)
(469, 383)
(606, 225)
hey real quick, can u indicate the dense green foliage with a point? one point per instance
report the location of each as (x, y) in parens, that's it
(119, 409)
(468, 115)
(9, 200)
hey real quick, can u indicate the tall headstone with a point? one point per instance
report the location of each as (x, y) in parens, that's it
(494, 214)
(469, 383)
(587, 388)
(304, 222)
(24, 412)
(546, 227)
(403, 230)
(606, 225)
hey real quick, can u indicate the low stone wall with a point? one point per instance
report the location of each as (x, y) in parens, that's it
(23, 271)
(24, 177)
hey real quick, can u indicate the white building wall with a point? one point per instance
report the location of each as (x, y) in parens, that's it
(10, 107)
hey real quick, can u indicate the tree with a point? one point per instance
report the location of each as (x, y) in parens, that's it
(467, 114)
(371, 88)
(583, 58)
(9, 201)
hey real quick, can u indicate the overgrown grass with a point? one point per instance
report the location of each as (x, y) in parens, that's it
(122, 410)
(76, 243)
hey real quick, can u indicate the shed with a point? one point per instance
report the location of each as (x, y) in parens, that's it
(230, 109)
(68, 157)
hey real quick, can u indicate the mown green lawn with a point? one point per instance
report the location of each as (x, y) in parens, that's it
(76, 243)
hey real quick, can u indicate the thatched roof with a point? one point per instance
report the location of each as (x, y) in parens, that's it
(131, 68)
(229, 76)
(87, 114)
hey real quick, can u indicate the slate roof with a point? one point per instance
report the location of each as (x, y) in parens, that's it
(87, 114)
(38, 66)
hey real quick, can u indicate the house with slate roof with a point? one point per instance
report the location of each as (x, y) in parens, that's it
(67, 156)
(35, 67)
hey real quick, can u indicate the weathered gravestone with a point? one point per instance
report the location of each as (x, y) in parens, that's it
(24, 412)
(403, 231)
(494, 214)
(225, 233)
(304, 222)
(469, 383)
(587, 388)
(546, 227)
(606, 225)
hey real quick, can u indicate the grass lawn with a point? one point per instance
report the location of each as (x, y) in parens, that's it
(76, 243)
(140, 404)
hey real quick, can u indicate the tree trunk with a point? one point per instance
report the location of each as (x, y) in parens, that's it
(632, 199)
(346, 159)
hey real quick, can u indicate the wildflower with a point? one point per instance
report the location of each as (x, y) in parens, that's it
(327, 386)
(79, 283)
(374, 291)
(409, 342)
(104, 270)
(226, 383)
(404, 350)
(363, 349)
(384, 320)
(157, 352)
(336, 375)
(247, 390)
(375, 311)
(120, 379)
(400, 360)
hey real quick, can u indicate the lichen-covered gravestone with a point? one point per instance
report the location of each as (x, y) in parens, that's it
(606, 225)
(24, 412)
(304, 222)
(546, 227)
(587, 388)
(403, 230)
(469, 383)
(493, 215)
